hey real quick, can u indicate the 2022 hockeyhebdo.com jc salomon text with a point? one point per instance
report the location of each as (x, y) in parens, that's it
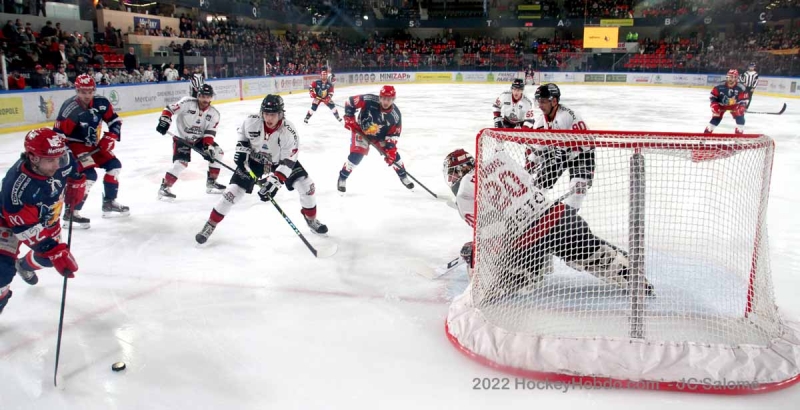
(590, 383)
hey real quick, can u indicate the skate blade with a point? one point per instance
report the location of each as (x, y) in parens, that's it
(326, 250)
(214, 191)
(112, 214)
(318, 233)
(76, 225)
(166, 198)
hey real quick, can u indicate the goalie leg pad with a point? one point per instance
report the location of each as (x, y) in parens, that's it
(579, 186)
(606, 263)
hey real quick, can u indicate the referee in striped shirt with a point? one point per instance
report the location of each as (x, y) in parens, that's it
(749, 79)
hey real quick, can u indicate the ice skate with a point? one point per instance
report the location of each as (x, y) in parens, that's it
(113, 209)
(165, 192)
(28, 276)
(203, 235)
(78, 221)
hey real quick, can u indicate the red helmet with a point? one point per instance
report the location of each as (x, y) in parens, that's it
(85, 81)
(733, 73)
(457, 164)
(388, 91)
(46, 143)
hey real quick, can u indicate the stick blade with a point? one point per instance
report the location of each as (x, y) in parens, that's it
(326, 250)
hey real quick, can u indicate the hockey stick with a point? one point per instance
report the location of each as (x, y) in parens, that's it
(383, 154)
(770, 113)
(63, 305)
(191, 146)
(319, 253)
(443, 270)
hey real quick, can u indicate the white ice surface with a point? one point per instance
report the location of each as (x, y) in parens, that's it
(253, 321)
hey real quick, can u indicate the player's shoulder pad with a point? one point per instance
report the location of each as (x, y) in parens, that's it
(525, 98)
(23, 189)
(567, 110)
(741, 87)
(214, 111)
(100, 99)
(289, 126)
(187, 99)
(68, 107)
(396, 113)
(370, 97)
(252, 122)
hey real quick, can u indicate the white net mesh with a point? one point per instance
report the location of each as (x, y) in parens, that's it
(668, 249)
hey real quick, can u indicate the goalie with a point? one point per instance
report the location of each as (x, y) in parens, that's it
(524, 228)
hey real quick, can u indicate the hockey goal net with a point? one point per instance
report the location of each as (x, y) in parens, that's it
(662, 276)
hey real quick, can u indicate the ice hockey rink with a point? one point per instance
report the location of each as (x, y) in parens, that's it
(252, 320)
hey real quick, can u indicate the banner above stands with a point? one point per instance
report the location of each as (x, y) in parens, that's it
(20, 111)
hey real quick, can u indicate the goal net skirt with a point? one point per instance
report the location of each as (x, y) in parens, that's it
(660, 279)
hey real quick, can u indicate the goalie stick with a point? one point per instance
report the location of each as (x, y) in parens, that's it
(770, 113)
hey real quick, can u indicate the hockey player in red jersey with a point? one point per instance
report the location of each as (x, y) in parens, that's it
(35, 188)
(321, 92)
(79, 120)
(728, 96)
(379, 122)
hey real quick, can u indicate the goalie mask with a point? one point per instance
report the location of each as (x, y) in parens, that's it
(457, 164)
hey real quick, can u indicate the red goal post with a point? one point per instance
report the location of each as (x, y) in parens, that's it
(687, 215)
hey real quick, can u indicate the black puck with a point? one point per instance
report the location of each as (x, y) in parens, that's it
(118, 366)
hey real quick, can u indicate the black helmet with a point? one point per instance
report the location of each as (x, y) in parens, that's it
(272, 103)
(205, 89)
(549, 91)
(518, 84)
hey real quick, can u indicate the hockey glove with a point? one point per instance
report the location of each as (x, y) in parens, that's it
(75, 191)
(312, 94)
(466, 253)
(739, 110)
(107, 143)
(716, 109)
(163, 124)
(273, 183)
(62, 260)
(498, 122)
(244, 175)
(351, 124)
(208, 153)
(391, 155)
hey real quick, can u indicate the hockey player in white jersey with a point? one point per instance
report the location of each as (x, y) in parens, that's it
(196, 124)
(511, 106)
(268, 144)
(526, 227)
(749, 79)
(548, 162)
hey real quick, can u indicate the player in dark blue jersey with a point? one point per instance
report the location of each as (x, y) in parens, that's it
(728, 96)
(80, 121)
(379, 123)
(32, 195)
(321, 92)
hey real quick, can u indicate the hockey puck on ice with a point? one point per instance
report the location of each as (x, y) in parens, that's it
(118, 366)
